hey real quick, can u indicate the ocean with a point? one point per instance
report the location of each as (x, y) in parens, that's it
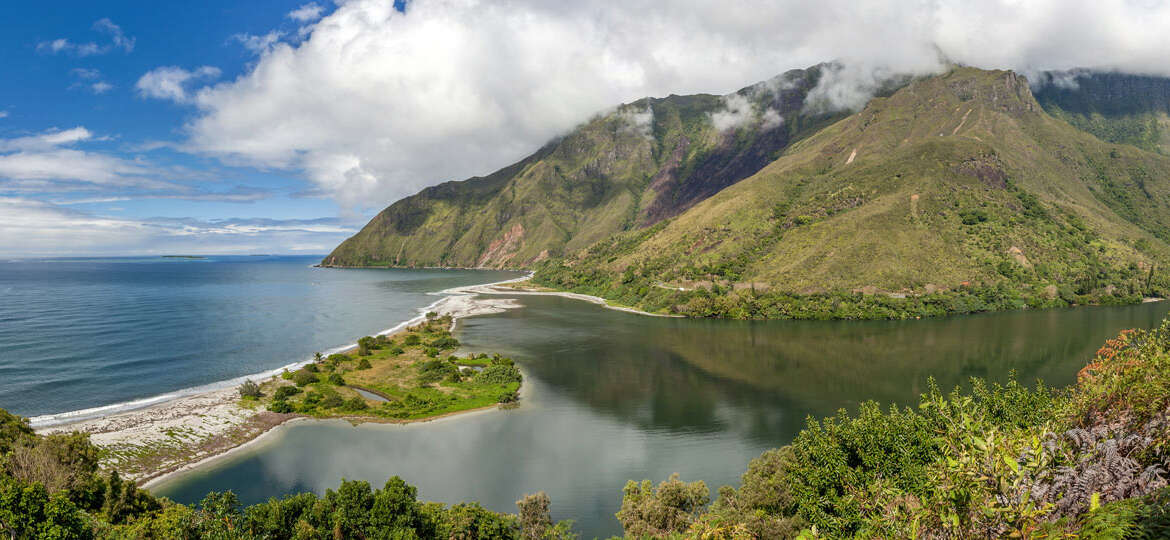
(81, 337)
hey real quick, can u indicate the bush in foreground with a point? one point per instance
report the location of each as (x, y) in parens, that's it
(999, 461)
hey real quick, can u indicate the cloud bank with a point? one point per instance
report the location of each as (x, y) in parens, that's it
(373, 104)
(33, 228)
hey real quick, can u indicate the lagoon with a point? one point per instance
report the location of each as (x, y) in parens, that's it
(611, 396)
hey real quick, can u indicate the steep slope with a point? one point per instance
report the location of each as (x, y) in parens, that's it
(958, 193)
(643, 162)
(1116, 107)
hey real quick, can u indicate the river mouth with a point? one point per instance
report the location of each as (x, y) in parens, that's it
(612, 396)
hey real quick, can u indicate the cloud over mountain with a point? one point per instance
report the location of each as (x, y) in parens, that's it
(375, 103)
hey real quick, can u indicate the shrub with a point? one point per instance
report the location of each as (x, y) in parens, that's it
(668, 510)
(364, 364)
(436, 370)
(355, 403)
(250, 390)
(281, 406)
(498, 374)
(336, 380)
(763, 506)
(311, 368)
(338, 358)
(332, 400)
(368, 343)
(395, 351)
(411, 340)
(444, 343)
(303, 377)
(284, 392)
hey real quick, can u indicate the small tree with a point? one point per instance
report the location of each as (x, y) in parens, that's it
(661, 512)
(318, 357)
(336, 380)
(281, 406)
(364, 364)
(284, 392)
(303, 377)
(365, 345)
(250, 390)
(535, 518)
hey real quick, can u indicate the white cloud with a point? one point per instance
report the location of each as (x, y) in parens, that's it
(44, 162)
(3, 114)
(36, 228)
(638, 120)
(374, 103)
(46, 140)
(306, 13)
(259, 44)
(101, 87)
(118, 40)
(171, 82)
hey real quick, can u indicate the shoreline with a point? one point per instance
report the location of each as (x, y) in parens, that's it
(494, 288)
(179, 434)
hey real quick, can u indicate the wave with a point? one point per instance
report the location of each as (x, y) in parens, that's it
(57, 419)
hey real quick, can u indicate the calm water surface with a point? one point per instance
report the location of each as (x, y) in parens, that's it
(611, 396)
(83, 333)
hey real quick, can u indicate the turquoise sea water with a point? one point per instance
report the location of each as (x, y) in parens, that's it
(80, 334)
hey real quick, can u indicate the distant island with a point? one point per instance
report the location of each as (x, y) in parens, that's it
(183, 257)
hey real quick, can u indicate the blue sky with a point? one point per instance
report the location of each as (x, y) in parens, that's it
(89, 82)
(283, 126)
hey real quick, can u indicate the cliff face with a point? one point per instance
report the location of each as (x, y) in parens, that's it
(642, 163)
(1115, 107)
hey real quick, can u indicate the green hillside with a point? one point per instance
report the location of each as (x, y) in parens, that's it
(957, 193)
(1116, 107)
(642, 162)
(949, 194)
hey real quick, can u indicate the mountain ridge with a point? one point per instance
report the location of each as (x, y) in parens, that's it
(947, 187)
(644, 161)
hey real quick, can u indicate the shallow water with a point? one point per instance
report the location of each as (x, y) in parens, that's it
(82, 333)
(612, 396)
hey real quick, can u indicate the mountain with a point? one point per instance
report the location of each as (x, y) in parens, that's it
(951, 193)
(1116, 107)
(639, 164)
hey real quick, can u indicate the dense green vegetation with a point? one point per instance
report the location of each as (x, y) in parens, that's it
(1116, 107)
(924, 203)
(51, 488)
(998, 461)
(994, 461)
(414, 371)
